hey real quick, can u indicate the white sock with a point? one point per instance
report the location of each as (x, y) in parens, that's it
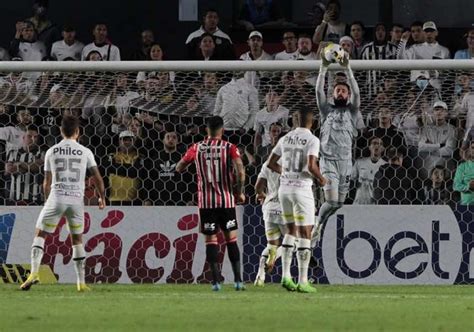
(261, 266)
(304, 255)
(287, 254)
(37, 251)
(79, 258)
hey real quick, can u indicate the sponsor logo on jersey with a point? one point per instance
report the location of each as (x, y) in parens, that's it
(167, 169)
(67, 151)
(295, 140)
(209, 226)
(231, 223)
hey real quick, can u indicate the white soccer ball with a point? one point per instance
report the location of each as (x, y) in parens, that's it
(334, 53)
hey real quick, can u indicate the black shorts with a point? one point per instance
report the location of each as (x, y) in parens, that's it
(219, 218)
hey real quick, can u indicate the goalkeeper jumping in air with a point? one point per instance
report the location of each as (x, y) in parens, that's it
(338, 128)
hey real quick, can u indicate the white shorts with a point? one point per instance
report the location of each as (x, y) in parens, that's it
(52, 213)
(298, 207)
(274, 225)
(338, 173)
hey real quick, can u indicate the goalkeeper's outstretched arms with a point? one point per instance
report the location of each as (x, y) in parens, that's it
(321, 98)
(355, 92)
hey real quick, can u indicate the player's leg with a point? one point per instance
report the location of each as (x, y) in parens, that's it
(304, 217)
(288, 242)
(75, 220)
(228, 223)
(269, 254)
(209, 229)
(47, 221)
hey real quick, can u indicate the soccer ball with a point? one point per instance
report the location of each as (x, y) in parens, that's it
(334, 53)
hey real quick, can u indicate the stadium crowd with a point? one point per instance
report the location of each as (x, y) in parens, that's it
(415, 131)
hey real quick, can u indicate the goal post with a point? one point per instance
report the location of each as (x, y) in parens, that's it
(149, 233)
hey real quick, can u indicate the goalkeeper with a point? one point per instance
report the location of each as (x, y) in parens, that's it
(338, 127)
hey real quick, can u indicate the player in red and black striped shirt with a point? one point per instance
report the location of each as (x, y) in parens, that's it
(221, 177)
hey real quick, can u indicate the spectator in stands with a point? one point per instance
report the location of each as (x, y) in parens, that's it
(347, 45)
(256, 53)
(69, 47)
(94, 56)
(170, 187)
(24, 171)
(143, 52)
(436, 191)
(121, 100)
(260, 14)
(210, 25)
(467, 53)
(13, 135)
(386, 131)
(396, 34)
(464, 100)
(392, 183)
(305, 48)
(298, 91)
(237, 103)
(364, 170)
(380, 48)
(464, 178)
(357, 34)
(438, 141)
(207, 49)
(123, 171)
(331, 28)
(272, 113)
(101, 43)
(25, 45)
(414, 36)
(466, 141)
(208, 95)
(156, 54)
(291, 47)
(47, 32)
(159, 94)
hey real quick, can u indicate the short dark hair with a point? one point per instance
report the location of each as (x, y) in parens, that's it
(69, 125)
(335, 2)
(214, 123)
(305, 35)
(305, 113)
(32, 128)
(358, 23)
(375, 137)
(416, 24)
(441, 168)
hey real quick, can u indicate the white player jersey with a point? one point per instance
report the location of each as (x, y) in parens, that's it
(68, 162)
(273, 183)
(294, 149)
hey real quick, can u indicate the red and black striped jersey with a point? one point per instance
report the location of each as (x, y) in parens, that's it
(215, 172)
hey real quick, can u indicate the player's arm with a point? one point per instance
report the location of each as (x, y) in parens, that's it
(315, 171)
(239, 179)
(273, 163)
(48, 179)
(355, 91)
(261, 189)
(187, 159)
(99, 185)
(321, 99)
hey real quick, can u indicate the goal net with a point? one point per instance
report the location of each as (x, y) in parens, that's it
(421, 111)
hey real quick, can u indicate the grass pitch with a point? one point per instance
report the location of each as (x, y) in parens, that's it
(196, 308)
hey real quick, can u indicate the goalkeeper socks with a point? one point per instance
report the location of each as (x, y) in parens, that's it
(211, 258)
(79, 258)
(303, 256)
(327, 210)
(234, 257)
(287, 254)
(37, 251)
(261, 265)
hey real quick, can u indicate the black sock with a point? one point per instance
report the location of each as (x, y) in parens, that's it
(211, 257)
(234, 257)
